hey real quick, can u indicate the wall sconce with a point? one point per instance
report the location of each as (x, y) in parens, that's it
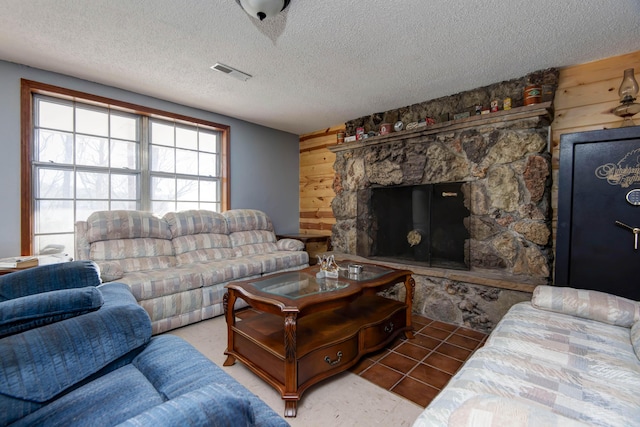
(627, 92)
(261, 9)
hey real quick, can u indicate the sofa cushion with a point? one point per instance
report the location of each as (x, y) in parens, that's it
(253, 242)
(494, 411)
(587, 304)
(280, 260)
(195, 222)
(247, 219)
(216, 272)
(135, 254)
(32, 311)
(202, 247)
(211, 405)
(147, 284)
(174, 367)
(107, 400)
(120, 224)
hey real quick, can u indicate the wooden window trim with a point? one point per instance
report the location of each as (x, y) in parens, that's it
(28, 88)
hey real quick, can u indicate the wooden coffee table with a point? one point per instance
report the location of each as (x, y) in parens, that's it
(309, 329)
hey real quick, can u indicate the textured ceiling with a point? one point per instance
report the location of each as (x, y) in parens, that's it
(319, 63)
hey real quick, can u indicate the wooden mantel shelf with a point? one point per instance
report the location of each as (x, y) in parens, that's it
(537, 110)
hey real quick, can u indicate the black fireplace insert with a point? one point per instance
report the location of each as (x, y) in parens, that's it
(419, 224)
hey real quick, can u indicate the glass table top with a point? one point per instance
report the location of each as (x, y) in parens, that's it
(297, 284)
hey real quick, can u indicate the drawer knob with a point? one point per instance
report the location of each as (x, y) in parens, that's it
(333, 362)
(389, 328)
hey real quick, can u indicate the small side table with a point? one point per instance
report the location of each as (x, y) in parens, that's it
(313, 243)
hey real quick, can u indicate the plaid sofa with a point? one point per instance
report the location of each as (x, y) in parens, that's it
(570, 357)
(177, 265)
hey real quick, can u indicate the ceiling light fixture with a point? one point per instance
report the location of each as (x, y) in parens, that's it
(627, 92)
(261, 9)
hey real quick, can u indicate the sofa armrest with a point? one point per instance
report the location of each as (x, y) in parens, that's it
(588, 304)
(289, 245)
(211, 405)
(32, 311)
(46, 278)
(110, 271)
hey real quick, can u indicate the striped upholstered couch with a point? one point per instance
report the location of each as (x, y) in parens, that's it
(177, 265)
(568, 358)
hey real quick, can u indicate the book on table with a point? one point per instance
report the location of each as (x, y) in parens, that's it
(19, 262)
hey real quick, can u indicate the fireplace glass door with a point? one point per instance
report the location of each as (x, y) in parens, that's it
(420, 224)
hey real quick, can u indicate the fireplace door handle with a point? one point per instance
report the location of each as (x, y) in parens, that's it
(448, 194)
(333, 362)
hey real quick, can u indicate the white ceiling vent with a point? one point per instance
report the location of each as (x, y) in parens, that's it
(231, 72)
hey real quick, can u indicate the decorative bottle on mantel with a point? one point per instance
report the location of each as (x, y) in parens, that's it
(532, 94)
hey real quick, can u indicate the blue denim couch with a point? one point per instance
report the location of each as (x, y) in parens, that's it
(75, 352)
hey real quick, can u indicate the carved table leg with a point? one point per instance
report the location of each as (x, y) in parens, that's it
(290, 408)
(410, 286)
(228, 303)
(290, 365)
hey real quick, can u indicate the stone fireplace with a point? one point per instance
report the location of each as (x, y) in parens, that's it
(499, 168)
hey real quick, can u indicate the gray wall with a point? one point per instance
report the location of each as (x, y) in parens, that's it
(264, 162)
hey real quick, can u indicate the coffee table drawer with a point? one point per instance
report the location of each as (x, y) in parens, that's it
(375, 335)
(326, 359)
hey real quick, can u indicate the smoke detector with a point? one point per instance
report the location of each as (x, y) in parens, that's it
(230, 71)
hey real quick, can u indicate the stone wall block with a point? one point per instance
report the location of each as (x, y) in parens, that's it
(432, 300)
(385, 173)
(355, 176)
(477, 307)
(536, 173)
(478, 201)
(532, 262)
(443, 165)
(506, 246)
(534, 231)
(484, 255)
(413, 166)
(503, 188)
(482, 227)
(345, 205)
(343, 236)
(475, 145)
(531, 211)
(337, 183)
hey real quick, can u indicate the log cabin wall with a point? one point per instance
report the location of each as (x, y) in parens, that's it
(585, 95)
(316, 181)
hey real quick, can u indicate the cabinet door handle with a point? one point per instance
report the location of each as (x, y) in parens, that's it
(333, 362)
(389, 328)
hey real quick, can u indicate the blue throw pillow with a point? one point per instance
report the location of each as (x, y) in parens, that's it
(32, 311)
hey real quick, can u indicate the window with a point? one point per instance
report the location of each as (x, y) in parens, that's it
(85, 153)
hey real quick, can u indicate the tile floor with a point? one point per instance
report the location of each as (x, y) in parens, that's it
(418, 369)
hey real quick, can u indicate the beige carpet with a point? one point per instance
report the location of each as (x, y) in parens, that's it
(344, 400)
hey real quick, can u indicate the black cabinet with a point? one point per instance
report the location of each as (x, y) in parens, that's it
(598, 212)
